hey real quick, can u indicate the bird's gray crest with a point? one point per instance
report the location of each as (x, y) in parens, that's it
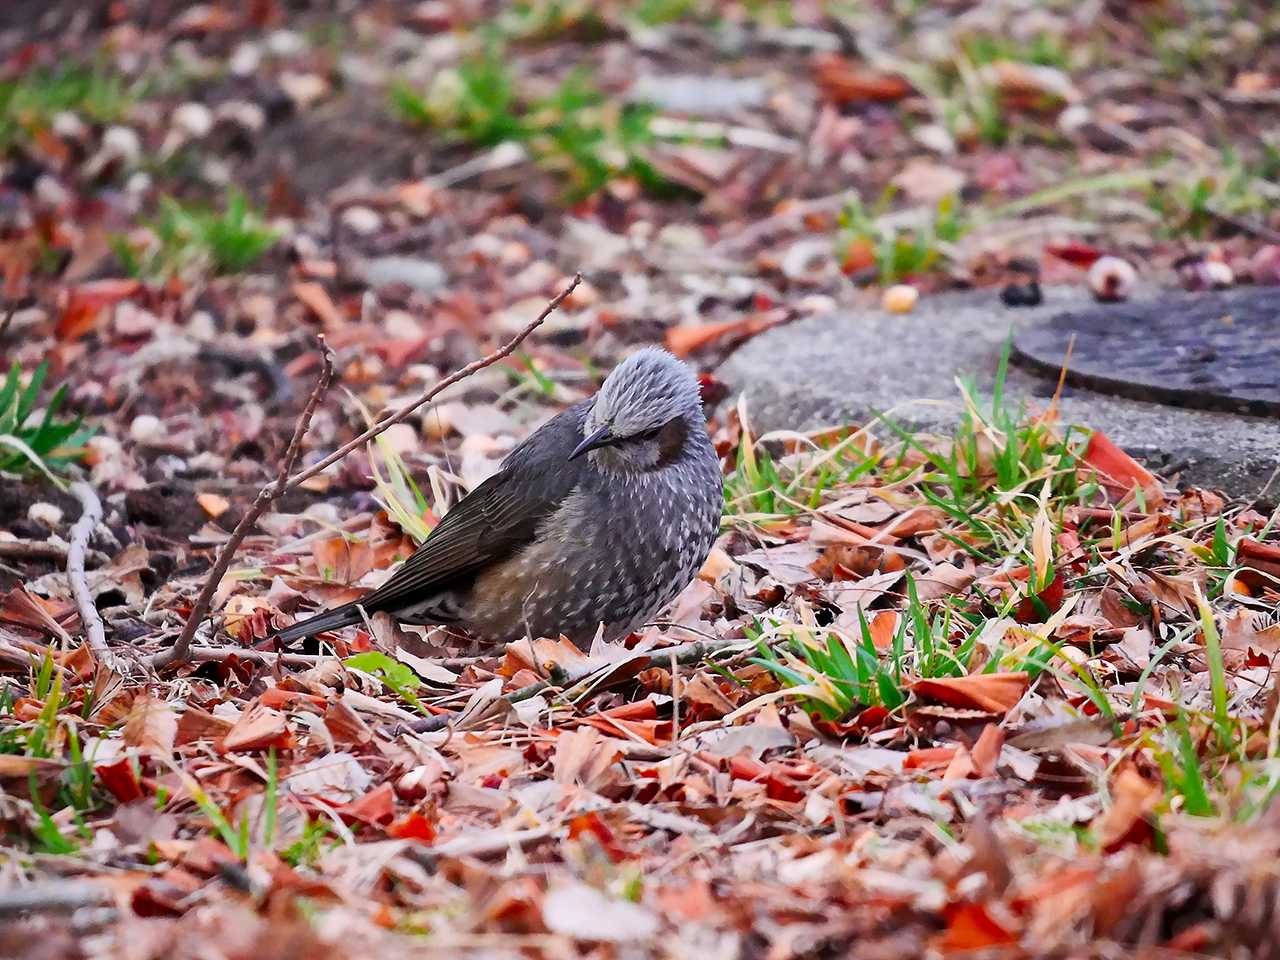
(646, 391)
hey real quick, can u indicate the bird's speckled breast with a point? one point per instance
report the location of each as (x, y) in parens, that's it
(619, 548)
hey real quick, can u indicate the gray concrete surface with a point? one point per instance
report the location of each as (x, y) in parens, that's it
(842, 367)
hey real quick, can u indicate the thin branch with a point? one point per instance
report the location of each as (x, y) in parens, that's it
(62, 896)
(81, 534)
(395, 417)
(180, 652)
(44, 550)
(685, 653)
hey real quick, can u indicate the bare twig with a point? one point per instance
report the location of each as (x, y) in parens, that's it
(396, 416)
(61, 896)
(685, 653)
(40, 550)
(81, 534)
(180, 652)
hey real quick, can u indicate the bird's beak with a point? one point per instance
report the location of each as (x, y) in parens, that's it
(597, 439)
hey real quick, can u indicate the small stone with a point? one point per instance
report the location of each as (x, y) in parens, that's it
(122, 143)
(286, 43)
(402, 325)
(682, 236)
(138, 184)
(584, 295)
(245, 59)
(362, 220)
(537, 277)
(242, 113)
(304, 89)
(132, 322)
(49, 190)
(900, 298)
(426, 276)
(106, 457)
(515, 254)
(440, 419)
(146, 429)
(193, 119)
(934, 136)
(401, 438)
(45, 514)
(68, 125)
(1264, 265)
(1112, 279)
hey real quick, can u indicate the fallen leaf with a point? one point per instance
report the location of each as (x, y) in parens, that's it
(994, 692)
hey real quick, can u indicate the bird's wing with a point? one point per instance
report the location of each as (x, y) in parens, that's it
(495, 519)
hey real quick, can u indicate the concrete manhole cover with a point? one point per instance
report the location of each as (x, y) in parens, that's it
(1214, 351)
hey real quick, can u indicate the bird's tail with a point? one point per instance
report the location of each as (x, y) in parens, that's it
(334, 619)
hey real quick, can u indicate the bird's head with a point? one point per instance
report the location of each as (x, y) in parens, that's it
(643, 414)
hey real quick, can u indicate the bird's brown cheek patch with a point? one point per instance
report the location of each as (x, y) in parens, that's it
(671, 440)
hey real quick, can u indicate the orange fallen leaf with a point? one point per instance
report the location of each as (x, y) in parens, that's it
(1120, 473)
(1127, 821)
(687, 338)
(414, 826)
(213, 504)
(316, 299)
(843, 82)
(971, 926)
(929, 757)
(258, 728)
(85, 303)
(995, 692)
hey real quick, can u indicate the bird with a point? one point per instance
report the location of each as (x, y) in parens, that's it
(593, 523)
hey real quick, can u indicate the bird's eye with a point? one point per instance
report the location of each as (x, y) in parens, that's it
(646, 435)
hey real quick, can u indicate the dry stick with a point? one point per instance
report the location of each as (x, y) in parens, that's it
(685, 653)
(81, 534)
(180, 652)
(392, 418)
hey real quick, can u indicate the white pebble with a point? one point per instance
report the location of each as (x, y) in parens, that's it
(193, 119)
(123, 143)
(68, 125)
(362, 220)
(245, 60)
(1112, 279)
(45, 514)
(146, 429)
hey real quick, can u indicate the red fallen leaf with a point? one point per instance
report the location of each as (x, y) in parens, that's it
(970, 926)
(375, 807)
(1075, 253)
(1050, 599)
(164, 896)
(590, 824)
(414, 826)
(929, 758)
(995, 692)
(86, 302)
(1120, 473)
(843, 82)
(119, 779)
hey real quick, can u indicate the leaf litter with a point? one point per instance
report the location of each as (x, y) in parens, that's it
(1004, 691)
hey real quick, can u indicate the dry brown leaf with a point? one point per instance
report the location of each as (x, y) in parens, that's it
(994, 692)
(152, 726)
